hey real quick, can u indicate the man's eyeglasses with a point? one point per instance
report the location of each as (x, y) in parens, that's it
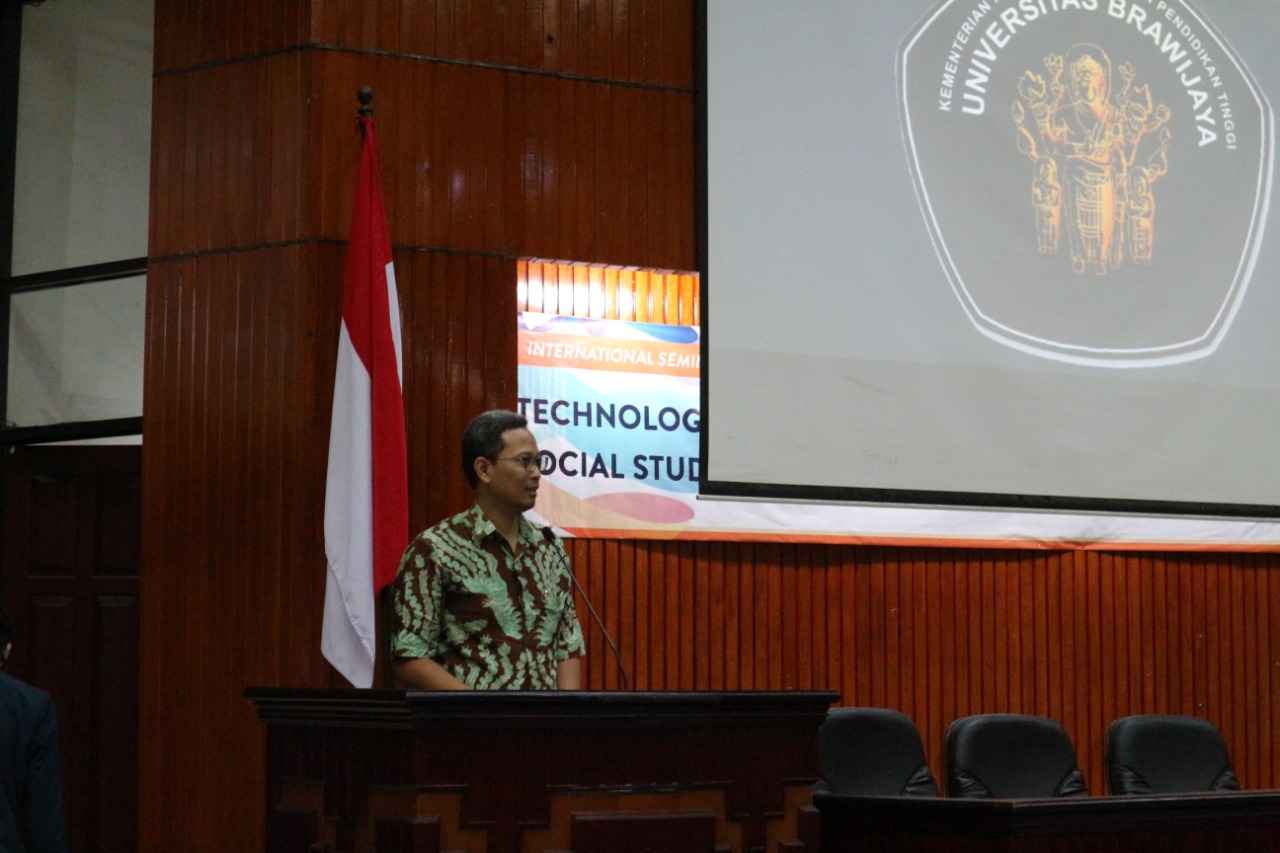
(528, 463)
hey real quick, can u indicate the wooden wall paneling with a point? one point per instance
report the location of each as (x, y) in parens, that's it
(1110, 608)
(1191, 628)
(626, 627)
(584, 568)
(1261, 706)
(1235, 646)
(1012, 567)
(1198, 621)
(665, 598)
(797, 653)
(1264, 741)
(769, 615)
(831, 600)
(1251, 682)
(181, 574)
(699, 661)
(693, 663)
(736, 624)
(1251, 685)
(1167, 636)
(460, 349)
(1047, 569)
(1244, 646)
(1070, 583)
(224, 177)
(634, 643)
(1229, 617)
(579, 198)
(1174, 640)
(678, 614)
(425, 377)
(620, 618)
(590, 574)
(932, 715)
(649, 612)
(235, 416)
(660, 637)
(780, 614)
(1151, 594)
(714, 645)
(193, 34)
(1215, 693)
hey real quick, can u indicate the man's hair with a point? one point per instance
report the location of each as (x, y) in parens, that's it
(483, 438)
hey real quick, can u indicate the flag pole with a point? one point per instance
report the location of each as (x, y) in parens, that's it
(366, 491)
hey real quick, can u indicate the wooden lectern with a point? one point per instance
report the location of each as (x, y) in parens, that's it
(392, 771)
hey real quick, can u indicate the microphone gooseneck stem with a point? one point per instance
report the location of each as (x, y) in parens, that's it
(550, 536)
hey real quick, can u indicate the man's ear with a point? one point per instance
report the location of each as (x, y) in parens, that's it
(483, 466)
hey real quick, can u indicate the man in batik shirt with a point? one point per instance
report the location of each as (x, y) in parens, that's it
(484, 600)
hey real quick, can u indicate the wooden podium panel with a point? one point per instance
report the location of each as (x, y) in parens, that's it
(1244, 822)
(355, 771)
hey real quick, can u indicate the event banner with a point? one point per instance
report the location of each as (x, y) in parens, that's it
(615, 408)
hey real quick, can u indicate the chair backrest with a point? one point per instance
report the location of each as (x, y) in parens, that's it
(1162, 754)
(874, 752)
(1011, 756)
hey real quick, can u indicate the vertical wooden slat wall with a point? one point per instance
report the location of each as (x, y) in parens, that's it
(518, 129)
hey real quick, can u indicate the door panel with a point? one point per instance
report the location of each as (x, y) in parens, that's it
(69, 578)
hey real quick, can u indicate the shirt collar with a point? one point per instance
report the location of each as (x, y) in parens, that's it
(482, 528)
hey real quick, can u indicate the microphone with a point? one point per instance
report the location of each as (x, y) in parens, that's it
(549, 535)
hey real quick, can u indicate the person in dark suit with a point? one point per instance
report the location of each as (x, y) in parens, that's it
(30, 772)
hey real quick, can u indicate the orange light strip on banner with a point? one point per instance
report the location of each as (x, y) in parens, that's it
(581, 352)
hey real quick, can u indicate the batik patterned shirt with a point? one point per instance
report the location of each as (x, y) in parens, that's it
(495, 621)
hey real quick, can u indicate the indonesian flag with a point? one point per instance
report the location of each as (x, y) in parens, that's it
(366, 507)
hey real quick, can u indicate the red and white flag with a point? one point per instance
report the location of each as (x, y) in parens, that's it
(366, 506)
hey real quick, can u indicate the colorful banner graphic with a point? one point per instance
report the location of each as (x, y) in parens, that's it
(615, 409)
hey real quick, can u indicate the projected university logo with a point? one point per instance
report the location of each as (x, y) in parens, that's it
(1094, 173)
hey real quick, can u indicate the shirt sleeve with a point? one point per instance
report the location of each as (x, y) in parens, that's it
(415, 630)
(569, 639)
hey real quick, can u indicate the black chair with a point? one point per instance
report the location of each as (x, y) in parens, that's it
(872, 752)
(1161, 754)
(1011, 756)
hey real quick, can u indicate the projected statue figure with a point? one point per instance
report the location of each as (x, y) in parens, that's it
(1046, 195)
(1142, 202)
(1092, 134)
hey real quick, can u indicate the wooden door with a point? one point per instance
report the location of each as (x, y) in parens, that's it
(69, 577)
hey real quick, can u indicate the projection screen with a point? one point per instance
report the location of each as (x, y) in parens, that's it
(992, 253)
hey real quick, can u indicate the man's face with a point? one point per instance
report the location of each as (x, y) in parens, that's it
(507, 478)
